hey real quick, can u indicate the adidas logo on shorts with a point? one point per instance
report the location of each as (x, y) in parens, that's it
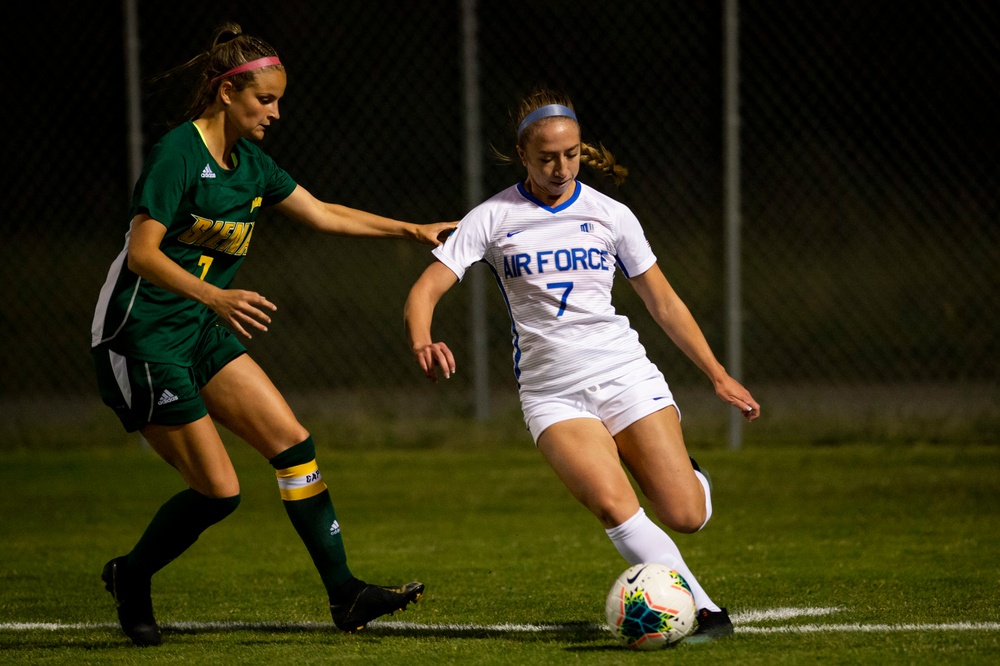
(207, 172)
(166, 398)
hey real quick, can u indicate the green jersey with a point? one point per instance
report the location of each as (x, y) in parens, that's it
(210, 214)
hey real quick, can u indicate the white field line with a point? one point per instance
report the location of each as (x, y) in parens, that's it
(771, 614)
(311, 626)
(743, 621)
(869, 628)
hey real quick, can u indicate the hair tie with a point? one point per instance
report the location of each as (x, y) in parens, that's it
(546, 111)
(248, 66)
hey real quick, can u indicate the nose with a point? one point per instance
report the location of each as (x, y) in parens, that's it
(274, 111)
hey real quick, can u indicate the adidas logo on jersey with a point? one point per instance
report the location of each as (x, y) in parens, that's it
(587, 227)
(207, 172)
(166, 398)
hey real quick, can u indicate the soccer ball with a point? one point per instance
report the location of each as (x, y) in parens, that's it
(650, 606)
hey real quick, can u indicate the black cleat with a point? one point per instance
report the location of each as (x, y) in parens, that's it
(711, 625)
(372, 601)
(134, 603)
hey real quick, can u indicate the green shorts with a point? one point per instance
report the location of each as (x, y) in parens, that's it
(144, 392)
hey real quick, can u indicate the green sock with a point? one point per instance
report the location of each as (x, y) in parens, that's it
(307, 502)
(177, 525)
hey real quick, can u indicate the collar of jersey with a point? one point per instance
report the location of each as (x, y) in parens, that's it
(563, 206)
(236, 161)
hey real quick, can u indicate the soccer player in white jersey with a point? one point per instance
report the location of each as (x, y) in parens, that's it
(591, 398)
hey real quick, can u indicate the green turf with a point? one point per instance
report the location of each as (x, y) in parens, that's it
(903, 534)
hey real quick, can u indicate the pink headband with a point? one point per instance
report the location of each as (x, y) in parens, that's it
(247, 66)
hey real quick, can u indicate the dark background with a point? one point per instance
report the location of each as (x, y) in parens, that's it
(871, 250)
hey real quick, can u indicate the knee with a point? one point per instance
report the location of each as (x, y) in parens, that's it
(612, 509)
(691, 522)
(298, 454)
(218, 508)
(208, 508)
(684, 519)
(220, 487)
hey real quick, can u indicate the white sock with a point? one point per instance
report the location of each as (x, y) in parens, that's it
(640, 540)
(708, 497)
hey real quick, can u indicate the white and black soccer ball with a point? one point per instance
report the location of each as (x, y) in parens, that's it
(650, 606)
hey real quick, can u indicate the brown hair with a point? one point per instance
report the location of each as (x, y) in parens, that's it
(596, 157)
(230, 48)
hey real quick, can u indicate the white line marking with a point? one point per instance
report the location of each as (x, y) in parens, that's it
(309, 626)
(869, 628)
(744, 617)
(498, 628)
(53, 626)
(744, 624)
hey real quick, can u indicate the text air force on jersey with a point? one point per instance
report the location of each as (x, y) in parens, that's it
(567, 259)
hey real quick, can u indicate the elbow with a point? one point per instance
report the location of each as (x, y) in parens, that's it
(139, 262)
(135, 262)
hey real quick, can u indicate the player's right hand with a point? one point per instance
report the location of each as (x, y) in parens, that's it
(432, 356)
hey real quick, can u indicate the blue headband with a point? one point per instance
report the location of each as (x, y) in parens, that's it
(546, 111)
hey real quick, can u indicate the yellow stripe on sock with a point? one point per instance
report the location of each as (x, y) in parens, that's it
(298, 470)
(300, 482)
(292, 494)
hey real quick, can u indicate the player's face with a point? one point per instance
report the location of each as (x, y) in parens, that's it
(552, 157)
(254, 107)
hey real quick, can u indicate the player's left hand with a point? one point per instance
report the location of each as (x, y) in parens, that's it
(731, 391)
(435, 233)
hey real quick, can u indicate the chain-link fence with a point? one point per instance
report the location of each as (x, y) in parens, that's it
(871, 234)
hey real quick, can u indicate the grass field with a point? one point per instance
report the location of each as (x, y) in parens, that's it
(856, 553)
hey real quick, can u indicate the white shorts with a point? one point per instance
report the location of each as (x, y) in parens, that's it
(617, 403)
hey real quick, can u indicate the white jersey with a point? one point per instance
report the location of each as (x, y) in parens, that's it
(555, 267)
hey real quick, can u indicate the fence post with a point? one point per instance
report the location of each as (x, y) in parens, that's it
(731, 142)
(473, 187)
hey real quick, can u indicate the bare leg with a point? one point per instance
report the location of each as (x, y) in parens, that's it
(654, 452)
(586, 458)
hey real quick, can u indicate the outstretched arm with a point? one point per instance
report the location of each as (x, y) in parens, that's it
(417, 315)
(343, 221)
(673, 316)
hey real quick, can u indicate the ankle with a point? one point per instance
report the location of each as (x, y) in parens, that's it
(346, 590)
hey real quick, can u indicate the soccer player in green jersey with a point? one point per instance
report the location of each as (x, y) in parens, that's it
(165, 332)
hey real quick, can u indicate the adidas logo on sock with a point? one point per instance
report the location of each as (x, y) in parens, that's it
(335, 528)
(207, 172)
(166, 397)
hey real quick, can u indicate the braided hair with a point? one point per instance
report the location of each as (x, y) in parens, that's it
(596, 157)
(230, 48)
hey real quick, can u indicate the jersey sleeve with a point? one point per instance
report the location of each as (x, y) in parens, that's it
(632, 250)
(467, 244)
(279, 185)
(161, 186)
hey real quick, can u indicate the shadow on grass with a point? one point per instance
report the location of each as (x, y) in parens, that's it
(562, 631)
